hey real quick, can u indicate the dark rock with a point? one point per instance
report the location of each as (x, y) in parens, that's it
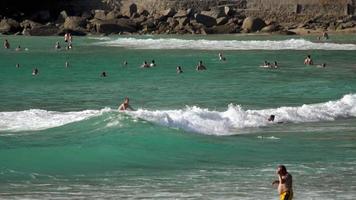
(62, 16)
(9, 26)
(42, 16)
(286, 32)
(169, 13)
(228, 11)
(144, 13)
(252, 24)
(172, 22)
(223, 29)
(45, 30)
(206, 20)
(221, 20)
(74, 23)
(99, 14)
(87, 15)
(140, 20)
(115, 26)
(215, 13)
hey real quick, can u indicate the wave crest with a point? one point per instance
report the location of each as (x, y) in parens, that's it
(173, 43)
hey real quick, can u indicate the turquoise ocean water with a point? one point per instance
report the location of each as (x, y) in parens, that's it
(195, 135)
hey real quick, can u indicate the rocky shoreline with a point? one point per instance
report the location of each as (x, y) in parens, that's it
(217, 20)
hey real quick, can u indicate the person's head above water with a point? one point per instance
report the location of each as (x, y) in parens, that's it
(126, 100)
(281, 169)
(271, 118)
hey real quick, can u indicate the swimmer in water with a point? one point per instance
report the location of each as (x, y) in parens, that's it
(308, 60)
(321, 66)
(271, 118)
(67, 64)
(125, 105)
(35, 72)
(17, 65)
(200, 66)
(18, 48)
(125, 63)
(6, 44)
(103, 74)
(221, 57)
(153, 63)
(57, 46)
(179, 70)
(275, 65)
(145, 65)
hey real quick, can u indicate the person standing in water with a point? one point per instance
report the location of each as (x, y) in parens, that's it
(284, 182)
(179, 70)
(125, 105)
(221, 57)
(308, 60)
(200, 66)
(6, 44)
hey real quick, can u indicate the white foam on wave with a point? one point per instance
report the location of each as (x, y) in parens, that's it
(195, 119)
(36, 119)
(202, 44)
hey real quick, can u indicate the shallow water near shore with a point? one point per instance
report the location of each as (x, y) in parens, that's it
(195, 135)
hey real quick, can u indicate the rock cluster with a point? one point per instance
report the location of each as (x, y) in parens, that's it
(216, 20)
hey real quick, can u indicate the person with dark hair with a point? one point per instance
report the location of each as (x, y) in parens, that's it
(308, 60)
(179, 70)
(271, 118)
(103, 74)
(6, 44)
(200, 66)
(284, 182)
(125, 105)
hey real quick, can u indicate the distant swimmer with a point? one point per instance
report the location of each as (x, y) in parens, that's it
(325, 35)
(275, 65)
(308, 60)
(6, 44)
(67, 64)
(221, 57)
(271, 118)
(266, 64)
(321, 66)
(153, 63)
(125, 105)
(200, 66)
(179, 70)
(284, 182)
(57, 46)
(125, 63)
(35, 72)
(145, 65)
(103, 74)
(18, 48)
(17, 65)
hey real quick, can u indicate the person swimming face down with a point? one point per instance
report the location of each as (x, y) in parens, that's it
(271, 118)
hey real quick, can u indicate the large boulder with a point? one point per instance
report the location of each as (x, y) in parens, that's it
(223, 29)
(169, 12)
(29, 24)
(205, 20)
(271, 28)
(252, 24)
(100, 14)
(115, 26)
(75, 23)
(222, 20)
(9, 26)
(215, 13)
(44, 30)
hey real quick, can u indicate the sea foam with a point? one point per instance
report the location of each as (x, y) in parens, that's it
(191, 118)
(36, 119)
(205, 121)
(202, 44)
